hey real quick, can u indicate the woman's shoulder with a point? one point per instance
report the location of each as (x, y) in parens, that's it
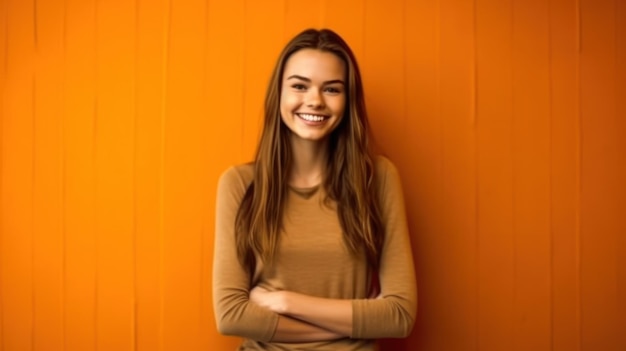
(387, 178)
(384, 167)
(237, 177)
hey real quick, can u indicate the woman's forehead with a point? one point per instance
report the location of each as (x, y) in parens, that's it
(314, 65)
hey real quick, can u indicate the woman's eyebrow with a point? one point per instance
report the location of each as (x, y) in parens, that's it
(295, 76)
(299, 77)
(334, 81)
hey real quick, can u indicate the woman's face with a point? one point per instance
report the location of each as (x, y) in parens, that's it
(313, 96)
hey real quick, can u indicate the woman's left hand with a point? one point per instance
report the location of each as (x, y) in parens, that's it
(275, 301)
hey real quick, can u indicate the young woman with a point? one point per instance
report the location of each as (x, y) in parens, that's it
(312, 250)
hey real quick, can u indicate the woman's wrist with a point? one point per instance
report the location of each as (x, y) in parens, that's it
(287, 305)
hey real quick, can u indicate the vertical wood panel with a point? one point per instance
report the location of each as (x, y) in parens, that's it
(496, 266)
(151, 51)
(206, 194)
(565, 173)
(259, 57)
(231, 30)
(600, 211)
(48, 178)
(185, 143)
(457, 265)
(423, 174)
(620, 98)
(225, 85)
(17, 184)
(114, 157)
(384, 74)
(531, 176)
(80, 174)
(3, 91)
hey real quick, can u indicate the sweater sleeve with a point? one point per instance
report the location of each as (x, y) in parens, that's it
(393, 314)
(234, 313)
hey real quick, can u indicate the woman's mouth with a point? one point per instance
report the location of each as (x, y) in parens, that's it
(311, 118)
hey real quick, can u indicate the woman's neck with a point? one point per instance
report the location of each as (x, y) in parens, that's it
(308, 162)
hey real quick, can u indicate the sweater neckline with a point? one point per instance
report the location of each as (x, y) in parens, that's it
(305, 192)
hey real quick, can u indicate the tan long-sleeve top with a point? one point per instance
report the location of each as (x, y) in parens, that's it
(313, 259)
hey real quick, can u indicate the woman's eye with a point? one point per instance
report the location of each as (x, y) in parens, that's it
(332, 90)
(298, 86)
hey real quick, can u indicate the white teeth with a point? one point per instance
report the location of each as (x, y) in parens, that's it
(311, 118)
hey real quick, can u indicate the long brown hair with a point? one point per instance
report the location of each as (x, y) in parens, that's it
(349, 180)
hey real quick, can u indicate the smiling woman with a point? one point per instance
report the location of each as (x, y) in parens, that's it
(312, 248)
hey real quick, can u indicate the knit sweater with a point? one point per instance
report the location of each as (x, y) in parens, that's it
(313, 259)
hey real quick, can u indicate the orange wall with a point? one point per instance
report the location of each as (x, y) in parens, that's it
(506, 118)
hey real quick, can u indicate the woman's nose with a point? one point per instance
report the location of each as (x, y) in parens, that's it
(314, 99)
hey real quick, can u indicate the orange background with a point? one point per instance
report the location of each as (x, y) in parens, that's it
(506, 118)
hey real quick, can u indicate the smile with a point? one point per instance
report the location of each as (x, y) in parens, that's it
(311, 118)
